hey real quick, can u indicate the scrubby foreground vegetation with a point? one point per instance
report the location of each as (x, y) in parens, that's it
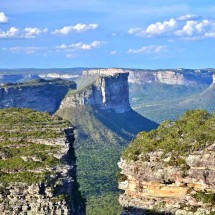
(26, 146)
(173, 165)
(193, 131)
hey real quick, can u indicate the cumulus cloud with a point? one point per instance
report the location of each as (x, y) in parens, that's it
(157, 28)
(147, 49)
(30, 32)
(33, 32)
(3, 18)
(80, 46)
(75, 28)
(188, 26)
(12, 32)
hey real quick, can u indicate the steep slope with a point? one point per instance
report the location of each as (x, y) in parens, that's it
(37, 168)
(171, 170)
(37, 94)
(204, 100)
(102, 133)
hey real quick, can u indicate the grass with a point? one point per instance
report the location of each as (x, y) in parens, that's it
(20, 155)
(193, 131)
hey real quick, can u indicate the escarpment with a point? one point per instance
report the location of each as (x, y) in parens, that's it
(171, 77)
(106, 93)
(37, 165)
(171, 170)
(40, 95)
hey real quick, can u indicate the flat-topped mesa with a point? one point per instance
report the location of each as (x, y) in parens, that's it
(109, 71)
(107, 93)
(39, 94)
(170, 77)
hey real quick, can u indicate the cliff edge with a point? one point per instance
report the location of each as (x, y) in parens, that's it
(170, 170)
(37, 165)
(106, 92)
(39, 94)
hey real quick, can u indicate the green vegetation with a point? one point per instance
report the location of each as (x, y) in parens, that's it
(160, 102)
(100, 138)
(205, 197)
(104, 205)
(21, 155)
(193, 131)
(42, 82)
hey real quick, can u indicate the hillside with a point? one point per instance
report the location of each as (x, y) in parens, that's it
(171, 169)
(160, 102)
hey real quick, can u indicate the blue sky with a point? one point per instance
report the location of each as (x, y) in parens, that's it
(107, 33)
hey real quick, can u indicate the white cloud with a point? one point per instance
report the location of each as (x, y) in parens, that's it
(80, 45)
(27, 50)
(191, 26)
(157, 28)
(3, 18)
(188, 17)
(12, 32)
(75, 28)
(196, 28)
(30, 32)
(148, 49)
(33, 32)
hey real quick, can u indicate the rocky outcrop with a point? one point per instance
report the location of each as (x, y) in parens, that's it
(107, 93)
(171, 170)
(37, 166)
(172, 77)
(39, 94)
(155, 186)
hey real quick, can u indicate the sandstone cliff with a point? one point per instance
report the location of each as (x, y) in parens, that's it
(177, 176)
(39, 94)
(106, 92)
(172, 77)
(37, 167)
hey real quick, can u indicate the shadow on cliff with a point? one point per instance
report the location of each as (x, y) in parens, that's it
(70, 187)
(103, 126)
(127, 125)
(138, 211)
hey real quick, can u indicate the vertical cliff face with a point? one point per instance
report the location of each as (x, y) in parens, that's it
(171, 170)
(107, 93)
(171, 77)
(37, 166)
(39, 95)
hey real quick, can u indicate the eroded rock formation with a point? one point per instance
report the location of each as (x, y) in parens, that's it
(107, 92)
(171, 181)
(172, 77)
(39, 95)
(37, 167)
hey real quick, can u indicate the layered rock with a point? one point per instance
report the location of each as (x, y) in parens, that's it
(39, 95)
(107, 93)
(37, 166)
(172, 77)
(168, 181)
